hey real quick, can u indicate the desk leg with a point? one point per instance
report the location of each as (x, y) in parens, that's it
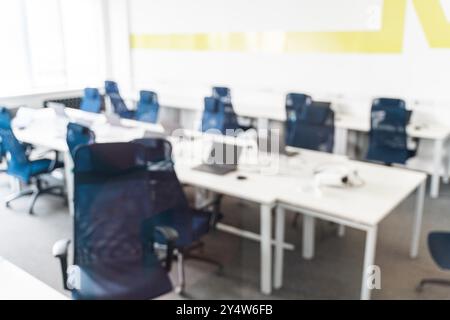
(437, 165)
(341, 141)
(308, 237)
(68, 170)
(279, 250)
(369, 259)
(341, 230)
(266, 249)
(417, 221)
(447, 165)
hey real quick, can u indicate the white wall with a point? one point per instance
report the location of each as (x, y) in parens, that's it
(418, 73)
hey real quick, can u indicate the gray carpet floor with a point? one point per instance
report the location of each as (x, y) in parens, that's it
(334, 273)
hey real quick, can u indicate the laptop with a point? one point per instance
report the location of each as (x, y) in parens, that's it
(59, 109)
(265, 142)
(223, 158)
(114, 120)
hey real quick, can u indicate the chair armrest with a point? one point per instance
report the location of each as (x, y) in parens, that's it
(60, 250)
(54, 160)
(171, 236)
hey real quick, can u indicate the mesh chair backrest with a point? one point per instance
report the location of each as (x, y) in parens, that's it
(92, 101)
(388, 137)
(222, 93)
(148, 107)
(78, 135)
(166, 195)
(117, 103)
(10, 144)
(219, 115)
(313, 129)
(113, 215)
(111, 87)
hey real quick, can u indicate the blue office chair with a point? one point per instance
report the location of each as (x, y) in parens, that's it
(114, 227)
(78, 135)
(222, 93)
(21, 167)
(167, 194)
(309, 125)
(92, 100)
(439, 246)
(147, 107)
(295, 106)
(117, 102)
(388, 140)
(219, 116)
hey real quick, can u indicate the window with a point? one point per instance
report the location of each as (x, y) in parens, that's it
(14, 72)
(50, 44)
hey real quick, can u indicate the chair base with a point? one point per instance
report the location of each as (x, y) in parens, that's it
(432, 281)
(35, 193)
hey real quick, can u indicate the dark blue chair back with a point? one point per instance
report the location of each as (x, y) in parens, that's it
(117, 102)
(309, 126)
(167, 195)
(78, 135)
(439, 246)
(147, 107)
(92, 100)
(388, 137)
(18, 163)
(222, 93)
(114, 224)
(111, 87)
(296, 104)
(219, 115)
(5, 118)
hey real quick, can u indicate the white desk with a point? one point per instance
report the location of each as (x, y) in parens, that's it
(360, 207)
(47, 130)
(437, 133)
(16, 284)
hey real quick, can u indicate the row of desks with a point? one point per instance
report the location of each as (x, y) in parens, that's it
(268, 107)
(289, 186)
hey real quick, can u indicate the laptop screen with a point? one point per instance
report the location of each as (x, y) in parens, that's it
(224, 154)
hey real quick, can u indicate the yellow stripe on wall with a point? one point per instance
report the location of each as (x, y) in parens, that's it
(387, 40)
(434, 22)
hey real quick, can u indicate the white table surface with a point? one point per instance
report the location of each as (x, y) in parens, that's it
(16, 284)
(383, 190)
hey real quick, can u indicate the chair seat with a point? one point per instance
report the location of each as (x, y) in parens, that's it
(42, 166)
(127, 282)
(439, 245)
(32, 169)
(200, 225)
(389, 155)
(127, 114)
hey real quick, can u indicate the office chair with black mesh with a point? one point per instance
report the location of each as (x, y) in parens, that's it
(309, 125)
(115, 228)
(167, 196)
(28, 171)
(118, 104)
(78, 135)
(148, 107)
(439, 246)
(388, 140)
(91, 101)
